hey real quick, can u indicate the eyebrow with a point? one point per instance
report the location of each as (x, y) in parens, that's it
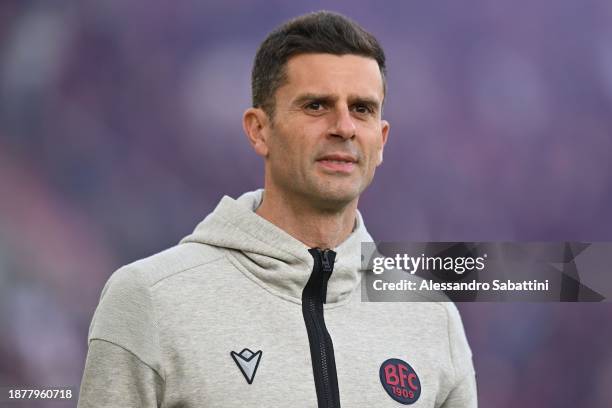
(325, 98)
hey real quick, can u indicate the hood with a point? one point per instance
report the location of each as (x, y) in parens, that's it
(271, 257)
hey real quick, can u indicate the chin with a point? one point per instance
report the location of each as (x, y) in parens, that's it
(337, 198)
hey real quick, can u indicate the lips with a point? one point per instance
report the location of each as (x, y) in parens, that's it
(338, 163)
(337, 157)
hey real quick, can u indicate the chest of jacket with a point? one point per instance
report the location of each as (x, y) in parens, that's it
(203, 327)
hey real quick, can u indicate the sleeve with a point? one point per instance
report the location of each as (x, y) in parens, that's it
(463, 393)
(123, 366)
(114, 377)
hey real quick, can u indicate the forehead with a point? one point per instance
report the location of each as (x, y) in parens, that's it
(328, 73)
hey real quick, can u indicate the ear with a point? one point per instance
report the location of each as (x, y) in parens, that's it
(384, 133)
(255, 124)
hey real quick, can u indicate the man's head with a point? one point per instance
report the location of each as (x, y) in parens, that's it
(318, 88)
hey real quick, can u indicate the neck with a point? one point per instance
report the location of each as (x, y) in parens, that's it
(312, 226)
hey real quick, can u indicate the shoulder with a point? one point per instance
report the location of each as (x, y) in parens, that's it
(174, 260)
(126, 296)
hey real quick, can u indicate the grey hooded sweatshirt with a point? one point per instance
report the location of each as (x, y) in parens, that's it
(241, 314)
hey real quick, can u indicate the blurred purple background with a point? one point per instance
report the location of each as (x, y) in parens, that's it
(120, 129)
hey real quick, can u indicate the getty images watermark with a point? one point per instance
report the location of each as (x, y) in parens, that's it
(477, 271)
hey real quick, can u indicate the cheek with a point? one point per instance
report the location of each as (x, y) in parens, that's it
(374, 147)
(286, 151)
(297, 142)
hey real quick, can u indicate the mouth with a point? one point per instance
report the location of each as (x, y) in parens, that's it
(338, 163)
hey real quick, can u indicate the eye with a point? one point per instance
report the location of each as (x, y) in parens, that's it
(363, 108)
(314, 106)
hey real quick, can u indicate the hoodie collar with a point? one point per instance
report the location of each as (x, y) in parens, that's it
(273, 258)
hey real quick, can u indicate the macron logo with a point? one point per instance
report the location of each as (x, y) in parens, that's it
(248, 362)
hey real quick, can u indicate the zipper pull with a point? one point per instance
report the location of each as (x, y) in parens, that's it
(327, 267)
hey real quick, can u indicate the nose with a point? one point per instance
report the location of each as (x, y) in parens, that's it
(343, 126)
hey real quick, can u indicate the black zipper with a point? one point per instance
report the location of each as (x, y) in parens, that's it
(321, 346)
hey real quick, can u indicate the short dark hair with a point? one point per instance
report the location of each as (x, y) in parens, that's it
(319, 32)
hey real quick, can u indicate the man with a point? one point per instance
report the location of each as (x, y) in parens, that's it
(254, 308)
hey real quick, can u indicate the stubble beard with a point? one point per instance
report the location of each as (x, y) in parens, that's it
(319, 191)
(324, 195)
